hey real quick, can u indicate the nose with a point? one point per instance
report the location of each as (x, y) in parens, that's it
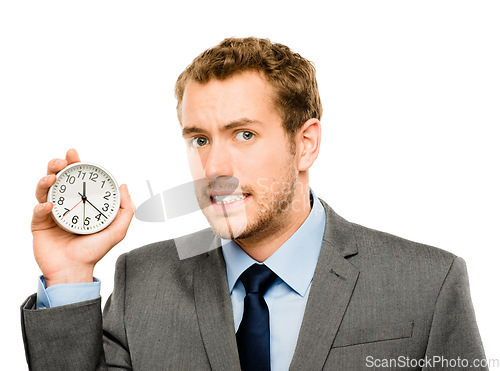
(219, 161)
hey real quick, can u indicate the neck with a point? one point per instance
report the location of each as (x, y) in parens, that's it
(264, 244)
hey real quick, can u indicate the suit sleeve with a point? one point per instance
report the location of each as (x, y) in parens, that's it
(454, 334)
(114, 330)
(68, 337)
(73, 337)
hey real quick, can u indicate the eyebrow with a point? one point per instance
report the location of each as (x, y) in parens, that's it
(229, 126)
(191, 129)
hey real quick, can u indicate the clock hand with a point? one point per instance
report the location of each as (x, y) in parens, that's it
(84, 198)
(94, 206)
(73, 207)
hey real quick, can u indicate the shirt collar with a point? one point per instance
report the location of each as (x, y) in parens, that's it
(294, 262)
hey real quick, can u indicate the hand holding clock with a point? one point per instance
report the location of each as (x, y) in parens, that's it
(64, 257)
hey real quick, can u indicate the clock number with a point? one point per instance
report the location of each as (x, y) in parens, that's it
(98, 216)
(80, 172)
(86, 221)
(60, 201)
(70, 179)
(108, 193)
(62, 189)
(75, 219)
(93, 176)
(106, 207)
(103, 182)
(67, 211)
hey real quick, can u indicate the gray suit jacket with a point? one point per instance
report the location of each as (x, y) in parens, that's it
(374, 297)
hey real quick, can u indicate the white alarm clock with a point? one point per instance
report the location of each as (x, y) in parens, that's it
(86, 198)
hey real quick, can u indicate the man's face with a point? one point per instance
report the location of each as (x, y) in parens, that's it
(236, 142)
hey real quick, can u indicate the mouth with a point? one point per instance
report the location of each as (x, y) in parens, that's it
(228, 199)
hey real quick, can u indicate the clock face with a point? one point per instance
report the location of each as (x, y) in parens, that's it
(86, 198)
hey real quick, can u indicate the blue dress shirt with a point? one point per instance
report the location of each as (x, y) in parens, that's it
(66, 293)
(294, 264)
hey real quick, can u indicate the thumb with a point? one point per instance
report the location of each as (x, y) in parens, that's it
(118, 228)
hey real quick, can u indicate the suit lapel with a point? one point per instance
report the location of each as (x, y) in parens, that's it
(331, 289)
(214, 311)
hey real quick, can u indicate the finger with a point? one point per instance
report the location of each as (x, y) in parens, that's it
(56, 165)
(72, 156)
(41, 218)
(43, 186)
(118, 229)
(126, 202)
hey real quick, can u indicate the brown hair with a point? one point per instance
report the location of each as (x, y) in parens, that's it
(293, 77)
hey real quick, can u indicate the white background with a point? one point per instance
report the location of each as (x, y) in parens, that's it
(410, 89)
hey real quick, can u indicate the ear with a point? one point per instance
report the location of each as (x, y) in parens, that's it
(308, 141)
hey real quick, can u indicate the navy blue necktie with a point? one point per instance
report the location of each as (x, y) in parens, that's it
(253, 333)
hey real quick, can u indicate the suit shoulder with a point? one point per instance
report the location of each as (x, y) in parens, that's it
(386, 246)
(370, 247)
(404, 266)
(173, 251)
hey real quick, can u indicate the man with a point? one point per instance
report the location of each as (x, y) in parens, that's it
(285, 282)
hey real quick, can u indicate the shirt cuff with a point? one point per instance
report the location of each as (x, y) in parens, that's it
(66, 293)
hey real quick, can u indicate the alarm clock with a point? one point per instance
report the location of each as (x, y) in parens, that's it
(86, 198)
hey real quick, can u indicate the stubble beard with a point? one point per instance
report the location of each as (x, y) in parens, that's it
(273, 207)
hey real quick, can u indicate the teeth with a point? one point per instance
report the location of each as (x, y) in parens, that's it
(227, 198)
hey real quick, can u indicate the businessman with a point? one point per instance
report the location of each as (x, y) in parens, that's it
(279, 281)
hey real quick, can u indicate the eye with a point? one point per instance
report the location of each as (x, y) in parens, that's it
(245, 135)
(198, 141)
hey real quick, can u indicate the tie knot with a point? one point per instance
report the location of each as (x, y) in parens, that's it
(257, 279)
